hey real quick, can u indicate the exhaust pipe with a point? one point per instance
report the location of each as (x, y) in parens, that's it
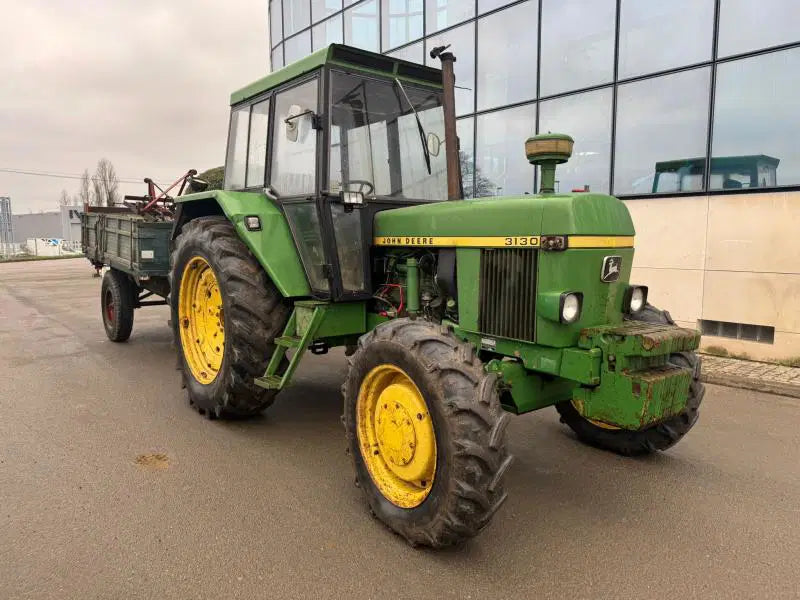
(455, 190)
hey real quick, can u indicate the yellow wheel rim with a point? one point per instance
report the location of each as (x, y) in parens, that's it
(202, 323)
(396, 437)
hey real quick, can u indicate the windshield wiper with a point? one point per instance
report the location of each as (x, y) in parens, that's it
(422, 135)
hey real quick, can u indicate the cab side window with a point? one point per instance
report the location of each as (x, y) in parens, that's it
(294, 147)
(257, 146)
(236, 159)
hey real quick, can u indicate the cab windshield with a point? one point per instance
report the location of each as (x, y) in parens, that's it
(376, 145)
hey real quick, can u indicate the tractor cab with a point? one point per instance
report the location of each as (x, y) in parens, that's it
(334, 139)
(727, 173)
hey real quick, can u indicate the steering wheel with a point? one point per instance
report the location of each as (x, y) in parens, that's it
(362, 184)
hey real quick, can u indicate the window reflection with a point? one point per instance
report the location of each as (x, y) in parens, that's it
(462, 45)
(297, 47)
(756, 126)
(296, 16)
(412, 53)
(587, 118)
(440, 14)
(654, 36)
(577, 44)
(466, 155)
(322, 8)
(361, 26)
(507, 56)
(746, 25)
(660, 120)
(402, 22)
(275, 22)
(328, 32)
(500, 151)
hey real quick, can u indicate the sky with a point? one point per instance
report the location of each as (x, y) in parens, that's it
(144, 83)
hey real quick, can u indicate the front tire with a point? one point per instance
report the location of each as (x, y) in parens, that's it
(118, 294)
(426, 432)
(226, 313)
(658, 437)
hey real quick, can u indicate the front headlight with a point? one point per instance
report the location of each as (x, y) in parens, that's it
(636, 298)
(570, 306)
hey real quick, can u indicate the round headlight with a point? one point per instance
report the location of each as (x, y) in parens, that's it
(638, 298)
(570, 308)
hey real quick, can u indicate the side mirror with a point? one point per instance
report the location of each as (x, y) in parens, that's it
(434, 144)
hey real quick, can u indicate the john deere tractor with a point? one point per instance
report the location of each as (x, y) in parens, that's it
(342, 224)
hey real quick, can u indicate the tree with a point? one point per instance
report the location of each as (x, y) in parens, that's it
(85, 190)
(471, 177)
(105, 184)
(64, 200)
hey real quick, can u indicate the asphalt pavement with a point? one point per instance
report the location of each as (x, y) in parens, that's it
(111, 486)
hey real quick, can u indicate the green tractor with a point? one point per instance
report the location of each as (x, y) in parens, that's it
(335, 229)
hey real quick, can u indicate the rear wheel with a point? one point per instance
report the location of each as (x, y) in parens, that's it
(426, 432)
(117, 301)
(658, 437)
(226, 314)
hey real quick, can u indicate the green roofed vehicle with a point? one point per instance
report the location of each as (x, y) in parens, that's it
(335, 229)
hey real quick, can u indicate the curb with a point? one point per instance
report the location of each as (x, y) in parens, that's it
(748, 383)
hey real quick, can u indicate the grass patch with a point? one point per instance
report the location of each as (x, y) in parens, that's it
(793, 361)
(715, 351)
(32, 258)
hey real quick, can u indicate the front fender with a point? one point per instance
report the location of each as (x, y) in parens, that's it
(273, 246)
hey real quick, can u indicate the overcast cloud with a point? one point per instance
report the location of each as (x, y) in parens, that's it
(144, 83)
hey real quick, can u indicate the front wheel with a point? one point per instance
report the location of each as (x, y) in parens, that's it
(426, 432)
(658, 437)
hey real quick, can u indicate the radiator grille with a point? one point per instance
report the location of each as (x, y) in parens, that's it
(508, 293)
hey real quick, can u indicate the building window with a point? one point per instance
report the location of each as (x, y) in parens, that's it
(738, 331)
(440, 14)
(412, 53)
(500, 151)
(746, 25)
(587, 118)
(462, 45)
(327, 33)
(323, 8)
(756, 123)
(361, 28)
(485, 6)
(275, 22)
(296, 16)
(277, 57)
(401, 22)
(656, 36)
(577, 44)
(507, 56)
(661, 134)
(465, 130)
(296, 47)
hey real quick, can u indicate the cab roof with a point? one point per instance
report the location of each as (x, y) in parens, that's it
(344, 56)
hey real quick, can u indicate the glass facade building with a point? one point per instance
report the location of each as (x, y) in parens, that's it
(680, 97)
(684, 109)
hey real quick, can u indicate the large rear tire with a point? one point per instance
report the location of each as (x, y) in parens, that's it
(118, 295)
(226, 314)
(655, 438)
(426, 432)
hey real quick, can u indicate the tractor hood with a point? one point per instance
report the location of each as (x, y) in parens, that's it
(512, 216)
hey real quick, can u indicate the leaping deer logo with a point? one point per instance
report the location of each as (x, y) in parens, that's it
(611, 268)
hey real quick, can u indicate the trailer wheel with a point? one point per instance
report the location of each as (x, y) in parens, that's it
(426, 432)
(117, 300)
(658, 437)
(226, 312)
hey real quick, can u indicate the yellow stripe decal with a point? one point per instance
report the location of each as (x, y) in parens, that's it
(600, 241)
(516, 241)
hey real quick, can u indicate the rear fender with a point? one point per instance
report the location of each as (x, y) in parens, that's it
(272, 245)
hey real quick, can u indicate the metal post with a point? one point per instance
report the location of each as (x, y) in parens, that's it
(412, 287)
(449, 108)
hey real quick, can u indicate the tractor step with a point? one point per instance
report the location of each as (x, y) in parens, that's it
(272, 378)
